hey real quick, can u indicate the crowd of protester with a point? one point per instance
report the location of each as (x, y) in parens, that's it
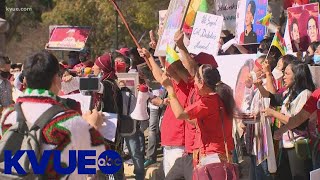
(192, 117)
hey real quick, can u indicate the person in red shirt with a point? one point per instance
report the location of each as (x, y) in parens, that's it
(172, 129)
(311, 106)
(205, 114)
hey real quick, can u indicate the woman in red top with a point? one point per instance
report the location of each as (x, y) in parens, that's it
(209, 143)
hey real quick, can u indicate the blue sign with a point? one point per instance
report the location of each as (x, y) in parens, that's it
(109, 161)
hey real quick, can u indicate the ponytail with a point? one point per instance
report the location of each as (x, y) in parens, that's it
(226, 94)
(212, 79)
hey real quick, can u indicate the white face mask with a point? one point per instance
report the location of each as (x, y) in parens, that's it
(259, 54)
(277, 74)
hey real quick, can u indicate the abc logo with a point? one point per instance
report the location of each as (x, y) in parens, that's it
(109, 162)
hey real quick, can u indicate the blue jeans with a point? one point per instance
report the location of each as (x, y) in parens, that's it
(153, 139)
(259, 172)
(136, 148)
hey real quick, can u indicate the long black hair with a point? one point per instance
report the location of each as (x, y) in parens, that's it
(212, 79)
(287, 59)
(302, 80)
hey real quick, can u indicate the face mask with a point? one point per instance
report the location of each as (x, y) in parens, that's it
(120, 66)
(5, 75)
(316, 59)
(260, 54)
(277, 74)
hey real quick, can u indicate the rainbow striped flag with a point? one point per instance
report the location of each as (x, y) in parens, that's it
(265, 21)
(195, 5)
(279, 42)
(171, 55)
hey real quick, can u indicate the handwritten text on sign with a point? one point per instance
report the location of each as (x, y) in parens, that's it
(206, 34)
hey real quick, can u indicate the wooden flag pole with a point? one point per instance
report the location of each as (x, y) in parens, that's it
(129, 30)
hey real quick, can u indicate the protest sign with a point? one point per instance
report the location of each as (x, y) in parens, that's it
(249, 12)
(71, 86)
(68, 38)
(233, 70)
(162, 17)
(227, 9)
(206, 34)
(82, 99)
(174, 20)
(303, 26)
(287, 39)
(109, 126)
(315, 174)
(129, 80)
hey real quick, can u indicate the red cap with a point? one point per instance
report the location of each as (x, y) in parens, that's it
(124, 51)
(143, 88)
(204, 58)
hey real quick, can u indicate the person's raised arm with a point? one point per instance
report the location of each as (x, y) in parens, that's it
(263, 91)
(188, 62)
(270, 85)
(156, 70)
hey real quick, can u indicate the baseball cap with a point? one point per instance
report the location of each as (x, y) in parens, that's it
(204, 58)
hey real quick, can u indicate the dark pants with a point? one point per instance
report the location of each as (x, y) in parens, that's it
(316, 154)
(182, 169)
(135, 144)
(153, 137)
(259, 172)
(292, 167)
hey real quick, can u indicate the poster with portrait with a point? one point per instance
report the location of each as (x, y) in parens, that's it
(234, 70)
(249, 12)
(303, 26)
(68, 38)
(129, 80)
(173, 22)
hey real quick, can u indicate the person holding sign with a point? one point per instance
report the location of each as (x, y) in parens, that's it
(249, 36)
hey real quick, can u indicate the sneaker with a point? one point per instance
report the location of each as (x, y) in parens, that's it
(148, 162)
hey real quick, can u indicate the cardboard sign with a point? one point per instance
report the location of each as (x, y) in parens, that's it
(174, 19)
(68, 38)
(303, 26)
(206, 34)
(227, 9)
(249, 12)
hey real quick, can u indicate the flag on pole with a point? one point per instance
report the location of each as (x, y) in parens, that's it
(279, 42)
(265, 21)
(171, 55)
(195, 5)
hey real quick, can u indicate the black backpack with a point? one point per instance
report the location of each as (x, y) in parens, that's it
(127, 125)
